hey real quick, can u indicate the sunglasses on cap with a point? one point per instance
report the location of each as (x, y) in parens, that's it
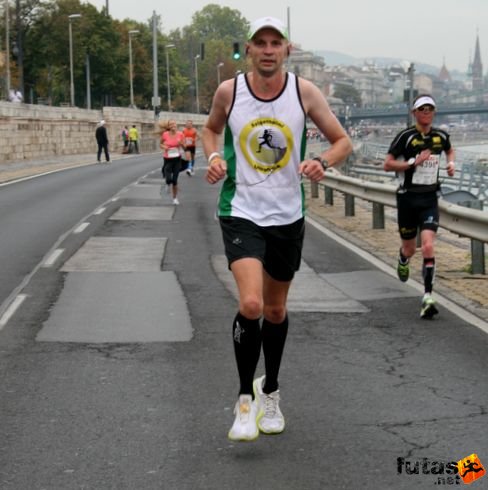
(425, 108)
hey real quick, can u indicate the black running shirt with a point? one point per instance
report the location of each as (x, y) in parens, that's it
(408, 144)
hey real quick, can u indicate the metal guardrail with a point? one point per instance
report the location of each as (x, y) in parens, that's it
(471, 223)
(471, 174)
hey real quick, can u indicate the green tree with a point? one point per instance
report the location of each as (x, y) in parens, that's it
(218, 28)
(348, 94)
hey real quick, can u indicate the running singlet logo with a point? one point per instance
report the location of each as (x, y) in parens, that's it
(267, 144)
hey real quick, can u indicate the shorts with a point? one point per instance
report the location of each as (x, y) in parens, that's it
(171, 169)
(417, 210)
(191, 150)
(279, 248)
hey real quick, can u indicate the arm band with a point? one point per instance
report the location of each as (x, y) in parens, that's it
(212, 156)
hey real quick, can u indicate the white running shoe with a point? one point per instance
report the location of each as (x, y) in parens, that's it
(428, 309)
(270, 420)
(175, 201)
(244, 427)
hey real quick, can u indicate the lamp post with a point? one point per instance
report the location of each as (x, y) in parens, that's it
(72, 83)
(7, 50)
(220, 65)
(168, 46)
(197, 57)
(131, 33)
(410, 74)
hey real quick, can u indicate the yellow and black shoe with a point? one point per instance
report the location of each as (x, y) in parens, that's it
(403, 270)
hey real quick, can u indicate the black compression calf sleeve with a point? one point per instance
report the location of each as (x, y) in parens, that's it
(428, 273)
(247, 347)
(274, 337)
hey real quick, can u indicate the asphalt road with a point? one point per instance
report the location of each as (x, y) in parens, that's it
(36, 213)
(364, 381)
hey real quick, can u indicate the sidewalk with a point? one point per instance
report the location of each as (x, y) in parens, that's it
(453, 257)
(452, 252)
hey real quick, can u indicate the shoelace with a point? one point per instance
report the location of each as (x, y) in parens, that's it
(271, 404)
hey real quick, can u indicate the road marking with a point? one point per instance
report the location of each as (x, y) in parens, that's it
(12, 309)
(99, 211)
(457, 310)
(53, 257)
(81, 227)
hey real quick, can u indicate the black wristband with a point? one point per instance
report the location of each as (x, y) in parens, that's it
(323, 162)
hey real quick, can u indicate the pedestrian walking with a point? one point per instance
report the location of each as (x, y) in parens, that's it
(172, 144)
(261, 206)
(102, 141)
(415, 154)
(133, 139)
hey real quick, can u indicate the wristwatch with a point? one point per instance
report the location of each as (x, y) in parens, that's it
(323, 162)
(411, 162)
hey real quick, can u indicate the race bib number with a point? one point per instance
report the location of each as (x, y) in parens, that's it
(426, 173)
(173, 153)
(189, 141)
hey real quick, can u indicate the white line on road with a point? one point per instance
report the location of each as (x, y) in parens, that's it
(448, 304)
(53, 257)
(81, 227)
(99, 211)
(12, 309)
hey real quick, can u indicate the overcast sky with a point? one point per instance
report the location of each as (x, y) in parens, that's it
(426, 31)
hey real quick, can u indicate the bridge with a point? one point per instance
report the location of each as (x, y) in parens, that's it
(401, 111)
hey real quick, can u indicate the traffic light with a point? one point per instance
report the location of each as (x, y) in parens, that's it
(236, 54)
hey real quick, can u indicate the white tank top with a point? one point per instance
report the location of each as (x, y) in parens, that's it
(264, 144)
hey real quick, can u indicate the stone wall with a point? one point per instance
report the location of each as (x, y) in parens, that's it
(30, 131)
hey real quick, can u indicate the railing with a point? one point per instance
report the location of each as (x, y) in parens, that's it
(467, 222)
(471, 173)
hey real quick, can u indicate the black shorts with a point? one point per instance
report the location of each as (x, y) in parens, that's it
(191, 149)
(417, 210)
(279, 248)
(171, 169)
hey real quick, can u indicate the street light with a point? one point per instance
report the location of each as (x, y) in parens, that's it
(131, 33)
(72, 83)
(168, 46)
(7, 50)
(218, 73)
(196, 83)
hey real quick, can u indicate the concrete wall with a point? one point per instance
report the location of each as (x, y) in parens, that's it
(30, 131)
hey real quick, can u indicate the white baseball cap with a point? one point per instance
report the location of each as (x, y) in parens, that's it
(424, 100)
(267, 23)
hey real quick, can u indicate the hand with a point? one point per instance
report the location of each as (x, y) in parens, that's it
(216, 170)
(423, 156)
(451, 168)
(312, 169)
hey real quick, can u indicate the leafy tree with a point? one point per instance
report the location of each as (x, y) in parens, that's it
(348, 94)
(218, 28)
(103, 42)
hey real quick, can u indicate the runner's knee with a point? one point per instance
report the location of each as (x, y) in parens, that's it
(251, 307)
(275, 314)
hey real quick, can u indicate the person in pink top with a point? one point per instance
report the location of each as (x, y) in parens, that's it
(172, 144)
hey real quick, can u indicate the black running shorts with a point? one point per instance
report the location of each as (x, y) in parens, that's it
(417, 210)
(279, 248)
